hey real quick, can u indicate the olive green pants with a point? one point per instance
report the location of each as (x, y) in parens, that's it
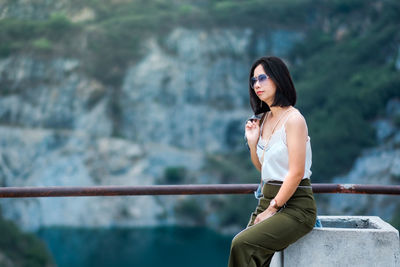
(255, 245)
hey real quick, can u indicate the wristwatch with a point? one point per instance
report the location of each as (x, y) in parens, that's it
(274, 204)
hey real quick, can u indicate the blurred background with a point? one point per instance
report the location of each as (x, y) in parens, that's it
(118, 92)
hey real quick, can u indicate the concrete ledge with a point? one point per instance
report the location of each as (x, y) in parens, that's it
(344, 241)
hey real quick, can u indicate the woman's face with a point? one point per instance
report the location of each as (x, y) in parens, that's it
(265, 90)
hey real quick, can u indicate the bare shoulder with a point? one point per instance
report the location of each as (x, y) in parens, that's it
(296, 123)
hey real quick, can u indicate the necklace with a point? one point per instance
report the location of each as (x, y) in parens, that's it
(276, 123)
(273, 129)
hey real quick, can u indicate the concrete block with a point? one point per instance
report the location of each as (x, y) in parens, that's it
(344, 241)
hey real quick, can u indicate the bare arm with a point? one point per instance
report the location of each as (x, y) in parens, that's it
(296, 137)
(252, 132)
(254, 157)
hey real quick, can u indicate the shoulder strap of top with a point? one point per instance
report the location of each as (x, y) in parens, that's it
(263, 119)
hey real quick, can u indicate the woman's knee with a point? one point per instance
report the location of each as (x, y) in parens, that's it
(238, 241)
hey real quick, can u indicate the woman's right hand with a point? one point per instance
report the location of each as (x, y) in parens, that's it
(252, 132)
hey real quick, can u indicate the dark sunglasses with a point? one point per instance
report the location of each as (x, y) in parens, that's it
(262, 78)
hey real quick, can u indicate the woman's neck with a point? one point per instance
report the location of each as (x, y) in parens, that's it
(276, 111)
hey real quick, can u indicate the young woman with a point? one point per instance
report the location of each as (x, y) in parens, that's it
(280, 149)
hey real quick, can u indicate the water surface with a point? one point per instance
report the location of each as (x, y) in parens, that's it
(147, 247)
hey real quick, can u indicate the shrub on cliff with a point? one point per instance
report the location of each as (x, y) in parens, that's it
(22, 249)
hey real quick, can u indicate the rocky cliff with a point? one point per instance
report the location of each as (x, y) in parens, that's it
(379, 165)
(187, 97)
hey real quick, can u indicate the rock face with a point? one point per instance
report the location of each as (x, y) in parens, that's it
(191, 90)
(188, 96)
(185, 95)
(48, 158)
(379, 165)
(52, 94)
(6, 262)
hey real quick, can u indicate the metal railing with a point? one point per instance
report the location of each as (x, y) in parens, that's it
(203, 189)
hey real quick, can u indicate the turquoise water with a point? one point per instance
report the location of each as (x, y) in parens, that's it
(147, 247)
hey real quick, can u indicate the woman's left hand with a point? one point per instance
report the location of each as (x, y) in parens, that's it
(269, 212)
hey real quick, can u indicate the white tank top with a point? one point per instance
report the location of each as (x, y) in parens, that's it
(276, 157)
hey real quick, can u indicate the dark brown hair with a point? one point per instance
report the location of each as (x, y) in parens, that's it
(285, 94)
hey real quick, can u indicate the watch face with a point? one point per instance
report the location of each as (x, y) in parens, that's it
(274, 204)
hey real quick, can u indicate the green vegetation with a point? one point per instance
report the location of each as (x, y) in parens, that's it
(344, 84)
(26, 35)
(191, 210)
(42, 44)
(175, 175)
(395, 221)
(232, 167)
(22, 249)
(114, 38)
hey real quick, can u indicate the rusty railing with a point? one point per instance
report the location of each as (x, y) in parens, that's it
(203, 189)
